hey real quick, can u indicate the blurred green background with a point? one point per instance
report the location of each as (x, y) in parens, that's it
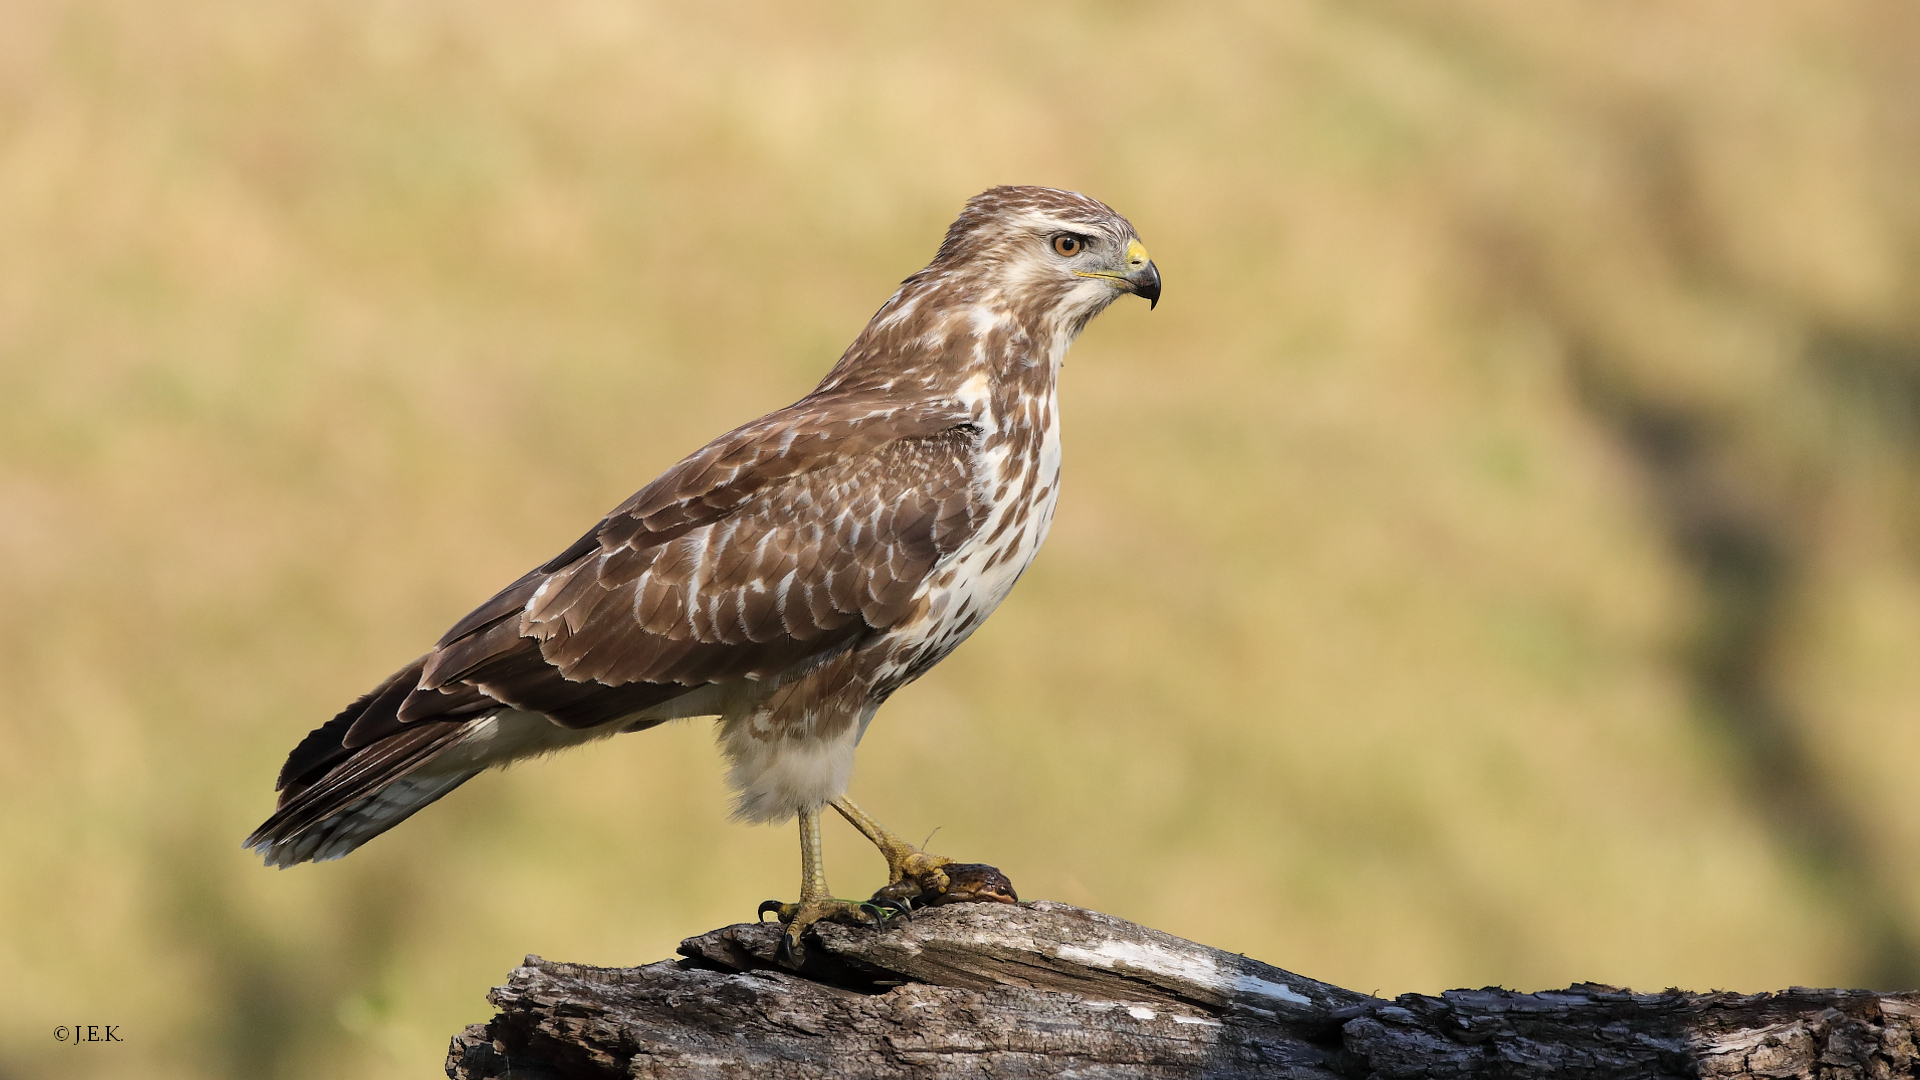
(1499, 563)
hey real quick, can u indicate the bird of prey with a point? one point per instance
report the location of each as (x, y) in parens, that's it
(786, 578)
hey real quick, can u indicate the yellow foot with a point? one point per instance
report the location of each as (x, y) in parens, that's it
(798, 917)
(918, 879)
(923, 880)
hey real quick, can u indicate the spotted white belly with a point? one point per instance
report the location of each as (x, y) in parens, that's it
(973, 581)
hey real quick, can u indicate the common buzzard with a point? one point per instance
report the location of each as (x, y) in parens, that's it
(786, 578)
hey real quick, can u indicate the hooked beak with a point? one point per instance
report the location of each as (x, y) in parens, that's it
(1145, 283)
(1141, 278)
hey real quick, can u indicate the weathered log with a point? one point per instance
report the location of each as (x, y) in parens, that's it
(1045, 989)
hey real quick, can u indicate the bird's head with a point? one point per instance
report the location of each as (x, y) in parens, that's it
(1051, 251)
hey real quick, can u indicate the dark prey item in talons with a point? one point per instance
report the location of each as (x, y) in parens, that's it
(973, 883)
(950, 883)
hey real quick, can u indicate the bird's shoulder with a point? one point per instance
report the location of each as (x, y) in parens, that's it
(825, 430)
(842, 441)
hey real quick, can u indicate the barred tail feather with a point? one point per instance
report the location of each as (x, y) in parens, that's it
(375, 788)
(339, 833)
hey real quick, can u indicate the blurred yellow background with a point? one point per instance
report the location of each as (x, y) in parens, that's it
(1499, 563)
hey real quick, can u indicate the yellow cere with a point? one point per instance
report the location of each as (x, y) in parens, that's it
(1137, 253)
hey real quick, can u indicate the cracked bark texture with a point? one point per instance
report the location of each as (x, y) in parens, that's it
(1046, 989)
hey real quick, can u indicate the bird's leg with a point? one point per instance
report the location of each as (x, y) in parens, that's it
(905, 863)
(915, 877)
(816, 902)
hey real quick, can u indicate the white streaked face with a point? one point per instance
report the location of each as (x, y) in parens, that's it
(1081, 266)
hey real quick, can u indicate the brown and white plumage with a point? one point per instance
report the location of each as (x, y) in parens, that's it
(787, 577)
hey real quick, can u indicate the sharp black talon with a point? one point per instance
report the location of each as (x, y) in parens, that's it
(786, 952)
(873, 911)
(769, 905)
(890, 908)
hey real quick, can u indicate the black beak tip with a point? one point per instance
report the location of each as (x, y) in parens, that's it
(1143, 282)
(1149, 290)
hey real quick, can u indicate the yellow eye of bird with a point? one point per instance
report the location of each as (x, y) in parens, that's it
(1067, 244)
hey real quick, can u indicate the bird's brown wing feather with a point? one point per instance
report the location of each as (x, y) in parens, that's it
(782, 539)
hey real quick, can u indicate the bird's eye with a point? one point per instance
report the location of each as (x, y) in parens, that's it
(1068, 245)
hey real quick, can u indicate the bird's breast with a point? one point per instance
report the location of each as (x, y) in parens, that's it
(1016, 473)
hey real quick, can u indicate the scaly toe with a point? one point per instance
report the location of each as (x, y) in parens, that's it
(799, 917)
(926, 871)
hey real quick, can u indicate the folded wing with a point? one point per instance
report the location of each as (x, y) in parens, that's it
(783, 539)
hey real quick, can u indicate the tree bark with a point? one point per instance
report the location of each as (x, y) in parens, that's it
(1045, 989)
